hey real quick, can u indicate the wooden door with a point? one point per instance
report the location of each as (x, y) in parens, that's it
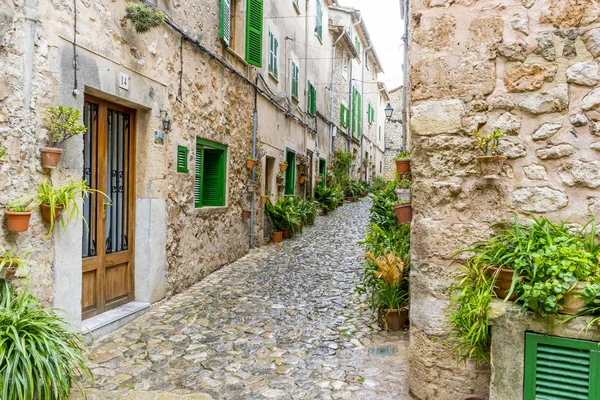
(108, 237)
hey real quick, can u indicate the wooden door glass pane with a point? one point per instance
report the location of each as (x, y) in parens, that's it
(90, 119)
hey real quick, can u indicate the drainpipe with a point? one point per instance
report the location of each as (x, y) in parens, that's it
(333, 91)
(305, 82)
(31, 19)
(362, 110)
(254, 128)
(404, 7)
(350, 88)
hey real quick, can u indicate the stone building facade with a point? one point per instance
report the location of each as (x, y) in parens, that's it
(394, 141)
(177, 195)
(529, 68)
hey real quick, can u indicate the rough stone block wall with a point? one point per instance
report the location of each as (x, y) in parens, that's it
(393, 136)
(528, 67)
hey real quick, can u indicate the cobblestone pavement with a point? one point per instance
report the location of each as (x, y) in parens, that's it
(281, 323)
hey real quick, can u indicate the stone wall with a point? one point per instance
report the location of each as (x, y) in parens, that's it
(527, 67)
(393, 136)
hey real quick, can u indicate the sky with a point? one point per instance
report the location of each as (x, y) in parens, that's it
(385, 28)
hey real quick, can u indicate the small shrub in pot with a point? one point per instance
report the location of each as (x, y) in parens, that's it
(492, 161)
(62, 124)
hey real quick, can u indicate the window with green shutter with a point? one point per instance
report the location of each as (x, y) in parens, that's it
(560, 368)
(312, 99)
(290, 172)
(273, 54)
(294, 73)
(211, 174)
(322, 171)
(370, 114)
(357, 44)
(354, 98)
(319, 25)
(254, 28)
(182, 159)
(225, 30)
(359, 114)
(344, 116)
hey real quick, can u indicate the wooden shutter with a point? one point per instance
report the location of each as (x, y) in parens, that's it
(182, 159)
(354, 93)
(225, 30)
(199, 175)
(254, 27)
(559, 368)
(213, 178)
(319, 27)
(359, 114)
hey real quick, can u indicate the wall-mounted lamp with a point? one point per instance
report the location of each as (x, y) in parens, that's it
(389, 110)
(166, 120)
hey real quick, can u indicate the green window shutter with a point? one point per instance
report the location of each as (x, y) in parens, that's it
(182, 159)
(313, 103)
(559, 368)
(270, 64)
(290, 173)
(294, 79)
(225, 30)
(354, 93)
(319, 26)
(213, 193)
(199, 175)
(359, 115)
(276, 58)
(254, 28)
(342, 115)
(323, 171)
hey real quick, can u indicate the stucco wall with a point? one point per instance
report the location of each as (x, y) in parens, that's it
(529, 68)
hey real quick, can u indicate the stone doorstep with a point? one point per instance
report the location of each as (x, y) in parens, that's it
(101, 325)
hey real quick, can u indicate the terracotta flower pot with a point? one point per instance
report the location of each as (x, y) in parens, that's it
(8, 272)
(403, 166)
(50, 156)
(349, 199)
(45, 208)
(403, 213)
(281, 187)
(283, 167)
(503, 282)
(302, 180)
(263, 199)
(286, 233)
(573, 302)
(491, 166)
(403, 194)
(318, 180)
(277, 237)
(18, 221)
(250, 163)
(246, 214)
(393, 319)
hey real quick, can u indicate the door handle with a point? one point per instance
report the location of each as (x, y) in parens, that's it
(104, 209)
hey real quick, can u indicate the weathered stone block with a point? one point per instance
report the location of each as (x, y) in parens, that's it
(552, 100)
(501, 103)
(535, 172)
(540, 199)
(520, 22)
(436, 117)
(579, 119)
(512, 148)
(570, 13)
(546, 131)
(546, 47)
(595, 146)
(529, 77)
(584, 73)
(514, 51)
(436, 34)
(594, 127)
(556, 152)
(509, 123)
(591, 39)
(580, 173)
(591, 100)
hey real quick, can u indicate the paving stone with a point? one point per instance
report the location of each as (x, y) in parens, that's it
(282, 322)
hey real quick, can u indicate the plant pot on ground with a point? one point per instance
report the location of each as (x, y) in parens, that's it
(62, 124)
(277, 237)
(491, 162)
(403, 212)
(285, 233)
(18, 215)
(403, 162)
(393, 319)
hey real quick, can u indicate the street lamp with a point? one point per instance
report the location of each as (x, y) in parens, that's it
(389, 110)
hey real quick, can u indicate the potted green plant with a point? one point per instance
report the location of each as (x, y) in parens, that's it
(403, 162)
(12, 262)
(62, 124)
(251, 186)
(403, 190)
(276, 215)
(265, 197)
(403, 212)
(56, 201)
(251, 162)
(41, 357)
(492, 161)
(18, 214)
(283, 166)
(318, 179)
(390, 296)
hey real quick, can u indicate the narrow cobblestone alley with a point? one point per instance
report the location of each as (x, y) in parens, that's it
(281, 323)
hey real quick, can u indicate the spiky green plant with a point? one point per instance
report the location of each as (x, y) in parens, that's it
(39, 358)
(143, 16)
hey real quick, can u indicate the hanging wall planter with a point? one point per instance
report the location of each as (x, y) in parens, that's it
(17, 221)
(62, 124)
(251, 162)
(47, 212)
(283, 167)
(318, 180)
(403, 162)
(491, 166)
(403, 195)
(403, 213)
(302, 180)
(492, 161)
(246, 214)
(263, 199)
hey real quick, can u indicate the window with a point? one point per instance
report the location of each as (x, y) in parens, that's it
(322, 171)
(344, 116)
(559, 368)
(273, 52)
(254, 29)
(356, 112)
(227, 18)
(182, 159)
(380, 134)
(370, 114)
(290, 172)
(294, 73)
(312, 99)
(357, 44)
(211, 174)
(319, 25)
(367, 62)
(380, 167)
(345, 65)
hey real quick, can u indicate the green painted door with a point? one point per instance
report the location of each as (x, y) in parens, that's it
(322, 170)
(290, 173)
